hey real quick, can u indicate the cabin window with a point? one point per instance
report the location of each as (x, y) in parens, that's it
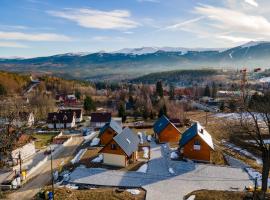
(113, 146)
(197, 145)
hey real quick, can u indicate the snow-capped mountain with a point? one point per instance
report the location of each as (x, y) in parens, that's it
(131, 62)
(150, 50)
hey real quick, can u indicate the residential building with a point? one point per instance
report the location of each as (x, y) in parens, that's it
(99, 119)
(122, 149)
(77, 111)
(61, 120)
(166, 131)
(196, 144)
(108, 131)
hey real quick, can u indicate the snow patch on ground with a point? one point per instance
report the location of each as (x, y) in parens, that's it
(95, 142)
(243, 152)
(174, 155)
(133, 191)
(149, 138)
(145, 152)
(171, 171)
(78, 156)
(192, 197)
(89, 137)
(143, 168)
(254, 174)
(141, 137)
(98, 159)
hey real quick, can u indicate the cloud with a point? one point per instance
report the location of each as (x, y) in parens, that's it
(252, 3)
(12, 45)
(182, 24)
(236, 21)
(235, 39)
(33, 37)
(90, 18)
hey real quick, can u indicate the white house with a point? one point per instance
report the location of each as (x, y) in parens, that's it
(77, 111)
(61, 120)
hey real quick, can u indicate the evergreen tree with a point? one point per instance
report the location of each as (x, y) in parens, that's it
(159, 89)
(89, 104)
(222, 106)
(171, 92)
(3, 90)
(122, 112)
(214, 90)
(162, 111)
(207, 91)
(78, 94)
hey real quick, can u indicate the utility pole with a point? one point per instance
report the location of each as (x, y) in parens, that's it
(52, 174)
(20, 162)
(255, 189)
(206, 118)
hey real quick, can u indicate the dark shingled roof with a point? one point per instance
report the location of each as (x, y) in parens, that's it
(113, 125)
(77, 111)
(128, 141)
(101, 117)
(60, 117)
(160, 124)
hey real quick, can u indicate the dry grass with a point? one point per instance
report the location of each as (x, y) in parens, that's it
(96, 194)
(43, 139)
(222, 195)
(218, 158)
(217, 195)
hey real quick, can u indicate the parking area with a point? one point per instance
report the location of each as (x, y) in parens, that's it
(161, 183)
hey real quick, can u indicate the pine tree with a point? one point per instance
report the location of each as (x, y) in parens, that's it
(171, 92)
(122, 112)
(89, 104)
(159, 89)
(207, 91)
(214, 90)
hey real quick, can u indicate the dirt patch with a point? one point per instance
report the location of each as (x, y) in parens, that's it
(221, 195)
(218, 158)
(96, 194)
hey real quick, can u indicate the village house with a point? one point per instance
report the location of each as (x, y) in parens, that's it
(77, 111)
(99, 119)
(23, 148)
(61, 120)
(108, 131)
(24, 119)
(122, 149)
(196, 144)
(166, 131)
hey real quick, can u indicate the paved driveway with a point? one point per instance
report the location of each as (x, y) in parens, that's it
(160, 184)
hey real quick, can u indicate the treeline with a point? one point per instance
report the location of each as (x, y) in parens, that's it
(11, 83)
(176, 76)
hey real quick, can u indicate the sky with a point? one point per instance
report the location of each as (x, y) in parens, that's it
(30, 28)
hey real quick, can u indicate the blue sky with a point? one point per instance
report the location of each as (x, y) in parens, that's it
(30, 28)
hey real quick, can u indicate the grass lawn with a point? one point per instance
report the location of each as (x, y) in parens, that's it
(44, 139)
(97, 194)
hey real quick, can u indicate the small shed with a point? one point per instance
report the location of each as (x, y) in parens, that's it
(166, 131)
(196, 143)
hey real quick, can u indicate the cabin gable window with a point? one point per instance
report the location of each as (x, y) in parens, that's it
(197, 145)
(113, 146)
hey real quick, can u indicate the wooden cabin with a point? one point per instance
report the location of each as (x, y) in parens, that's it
(196, 144)
(108, 131)
(122, 149)
(166, 131)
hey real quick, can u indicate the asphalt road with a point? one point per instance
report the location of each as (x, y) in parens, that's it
(42, 176)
